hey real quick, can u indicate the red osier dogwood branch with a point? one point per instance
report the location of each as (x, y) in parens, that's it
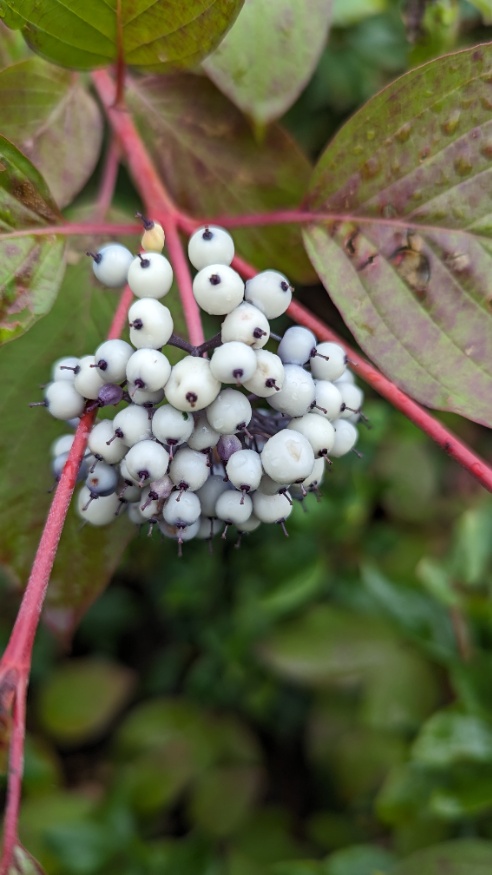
(16, 661)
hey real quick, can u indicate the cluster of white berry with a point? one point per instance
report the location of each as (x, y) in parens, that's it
(186, 452)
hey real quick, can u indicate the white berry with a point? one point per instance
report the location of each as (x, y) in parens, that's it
(151, 324)
(110, 264)
(270, 291)
(210, 245)
(150, 275)
(218, 289)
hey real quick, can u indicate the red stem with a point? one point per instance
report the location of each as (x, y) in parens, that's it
(14, 790)
(108, 182)
(76, 229)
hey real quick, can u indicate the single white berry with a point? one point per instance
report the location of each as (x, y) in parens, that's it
(287, 457)
(62, 400)
(171, 426)
(147, 461)
(102, 432)
(87, 380)
(352, 398)
(151, 324)
(62, 444)
(203, 436)
(297, 393)
(182, 509)
(98, 512)
(210, 245)
(150, 275)
(230, 412)
(179, 533)
(270, 291)
(132, 425)
(189, 469)
(327, 399)
(233, 507)
(329, 362)
(268, 378)
(244, 470)
(148, 369)
(110, 264)
(64, 368)
(272, 508)
(346, 436)
(297, 345)
(111, 359)
(247, 324)
(144, 397)
(233, 362)
(218, 289)
(318, 430)
(192, 386)
(102, 479)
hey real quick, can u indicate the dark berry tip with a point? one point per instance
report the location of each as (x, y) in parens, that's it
(96, 256)
(215, 279)
(147, 223)
(144, 262)
(207, 234)
(137, 324)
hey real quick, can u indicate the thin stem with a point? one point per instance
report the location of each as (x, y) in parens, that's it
(120, 59)
(306, 217)
(183, 279)
(15, 664)
(108, 181)
(14, 790)
(77, 229)
(157, 201)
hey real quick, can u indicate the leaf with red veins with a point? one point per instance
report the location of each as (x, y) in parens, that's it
(407, 258)
(49, 114)
(211, 164)
(86, 556)
(31, 268)
(157, 35)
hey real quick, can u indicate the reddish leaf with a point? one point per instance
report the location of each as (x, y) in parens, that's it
(212, 164)
(407, 254)
(48, 114)
(31, 267)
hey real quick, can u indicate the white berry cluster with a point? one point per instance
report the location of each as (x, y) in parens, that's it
(228, 436)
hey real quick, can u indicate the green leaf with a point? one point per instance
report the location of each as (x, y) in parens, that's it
(157, 35)
(86, 557)
(39, 816)
(360, 860)
(466, 857)
(472, 545)
(81, 697)
(326, 645)
(31, 267)
(223, 797)
(466, 793)
(407, 254)
(448, 737)
(48, 114)
(292, 41)
(212, 165)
